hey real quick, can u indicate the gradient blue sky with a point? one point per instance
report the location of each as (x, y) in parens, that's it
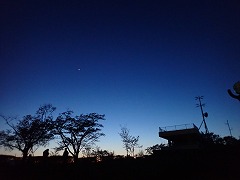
(141, 62)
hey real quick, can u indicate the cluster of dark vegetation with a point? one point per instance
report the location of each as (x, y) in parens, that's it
(74, 133)
(208, 141)
(217, 158)
(208, 163)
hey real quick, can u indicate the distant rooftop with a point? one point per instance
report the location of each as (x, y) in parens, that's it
(177, 127)
(184, 136)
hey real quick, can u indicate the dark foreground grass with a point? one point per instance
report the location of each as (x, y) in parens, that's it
(165, 165)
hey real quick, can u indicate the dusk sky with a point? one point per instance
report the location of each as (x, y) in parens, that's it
(141, 63)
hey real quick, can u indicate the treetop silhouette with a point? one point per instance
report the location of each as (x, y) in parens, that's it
(29, 132)
(77, 132)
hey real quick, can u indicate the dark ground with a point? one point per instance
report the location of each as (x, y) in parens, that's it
(197, 165)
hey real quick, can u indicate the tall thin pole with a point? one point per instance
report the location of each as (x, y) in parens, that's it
(230, 130)
(203, 114)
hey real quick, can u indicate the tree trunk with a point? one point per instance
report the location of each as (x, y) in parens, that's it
(25, 154)
(75, 158)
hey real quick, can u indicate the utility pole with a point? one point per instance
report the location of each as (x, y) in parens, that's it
(199, 98)
(230, 129)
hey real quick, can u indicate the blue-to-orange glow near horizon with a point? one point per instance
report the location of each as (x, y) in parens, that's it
(141, 63)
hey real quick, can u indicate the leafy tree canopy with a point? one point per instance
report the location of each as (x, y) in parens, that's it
(151, 149)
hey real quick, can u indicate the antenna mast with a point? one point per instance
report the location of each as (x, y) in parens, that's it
(230, 129)
(199, 98)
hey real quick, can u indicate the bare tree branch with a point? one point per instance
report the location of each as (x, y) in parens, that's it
(77, 132)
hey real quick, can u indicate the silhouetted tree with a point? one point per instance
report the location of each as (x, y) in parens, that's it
(231, 141)
(100, 154)
(129, 142)
(211, 139)
(2, 134)
(77, 132)
(153, 148)
(140, 153)
(236, 88)
(28, 132)
(86, 151)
